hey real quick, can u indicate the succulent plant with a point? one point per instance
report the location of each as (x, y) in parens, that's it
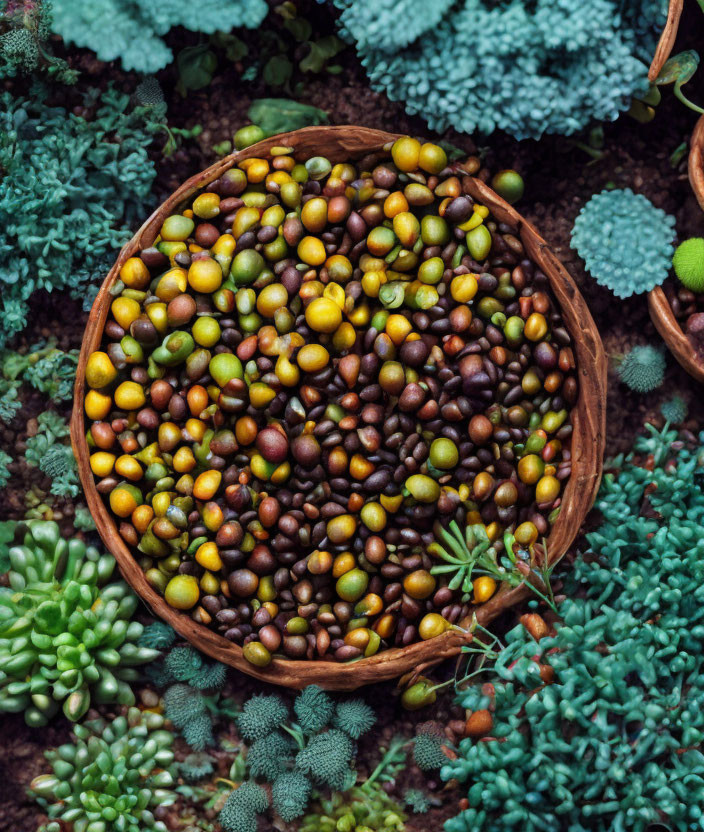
(111, 778)
(293, 757)
(625, 241)
(688, 263)
(370, 810)
(643, 368)
(65, 632)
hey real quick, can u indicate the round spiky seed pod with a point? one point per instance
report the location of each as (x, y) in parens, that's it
(688, 264)
(643, 368)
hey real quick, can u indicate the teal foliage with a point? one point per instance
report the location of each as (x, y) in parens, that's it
(112, 777)
(25, 26)
(5, 460)
(158, 635)
(296, 756)
(270, 756)
(427, 751)
(615, 742)
(524, 67)
(196, 766)
(354, 717)
(49, 450)
(643, 368)
(239, 814)
(83, 522)
(625, 241)
(290, 795)
(327, 758)
(260, 716)
(674, 410)
(131, 30)
(417, 801)
(314, 709)
(69, 191)
(185, 676)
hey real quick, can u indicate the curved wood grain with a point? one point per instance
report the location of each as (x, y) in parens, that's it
(672, 334)
(667, 39)
(695, 164)
(588, 419)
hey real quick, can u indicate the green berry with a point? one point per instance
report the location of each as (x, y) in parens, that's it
(688, 263)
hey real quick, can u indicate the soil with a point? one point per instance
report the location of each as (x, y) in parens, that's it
(559, 176)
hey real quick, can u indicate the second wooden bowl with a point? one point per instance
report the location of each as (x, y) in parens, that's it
(587, 446)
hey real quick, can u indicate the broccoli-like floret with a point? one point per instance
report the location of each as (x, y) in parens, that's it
(643, 368)
(198, 733)
(183, 663)
(270, 756)
(209, 677)
(182, 704)
(417, 801)
(674, 410)
(314, 709)
(158, 636)
(260, 716)
(327, 758)
(196, 766)
(5, 460)
(427, 752)
(354, 717)
(290, 794)
(239, 814)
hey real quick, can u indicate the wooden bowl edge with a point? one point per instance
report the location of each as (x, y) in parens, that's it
(671, 332)
(667, 39)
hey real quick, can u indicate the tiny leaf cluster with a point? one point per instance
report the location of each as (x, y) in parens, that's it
(625, 241)
(616, 740)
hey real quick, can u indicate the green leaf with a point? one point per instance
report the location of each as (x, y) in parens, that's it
(321, 51)
(235, 48)
(678, 70)
(196, 65)
(279, 115)
(277, 70)
(300, 28)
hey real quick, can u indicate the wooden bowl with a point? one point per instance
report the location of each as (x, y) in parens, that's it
(588, 419)
(660, 310)
(667, 39)
(673, 335)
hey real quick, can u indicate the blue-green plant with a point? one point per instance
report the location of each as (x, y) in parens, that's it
(615, 741)
(48, 449)
(5, 460)
(244, 804)
(132, 30)
(428, 752)
(688, 263)
(625, 241)
(196, 766)
(674, 410)
(70, 189)
(643, 368)
(524, 67)
(158, 635)
(66, 634)
(111, 777)
(303, 756)
(25, 26)
(44, 367)
(417, 801)
(193, 685)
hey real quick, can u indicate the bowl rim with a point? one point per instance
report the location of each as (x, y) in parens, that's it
(588, 419)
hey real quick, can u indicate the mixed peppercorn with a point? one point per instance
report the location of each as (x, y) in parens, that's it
(312, 365)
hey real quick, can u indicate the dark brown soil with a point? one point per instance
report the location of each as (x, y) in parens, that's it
(559, 178)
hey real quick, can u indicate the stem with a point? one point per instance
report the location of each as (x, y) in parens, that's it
(296, 733)
(683, 98)
(394, 747)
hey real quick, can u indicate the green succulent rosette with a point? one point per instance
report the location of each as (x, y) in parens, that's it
(66, 638)
(111, 778)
